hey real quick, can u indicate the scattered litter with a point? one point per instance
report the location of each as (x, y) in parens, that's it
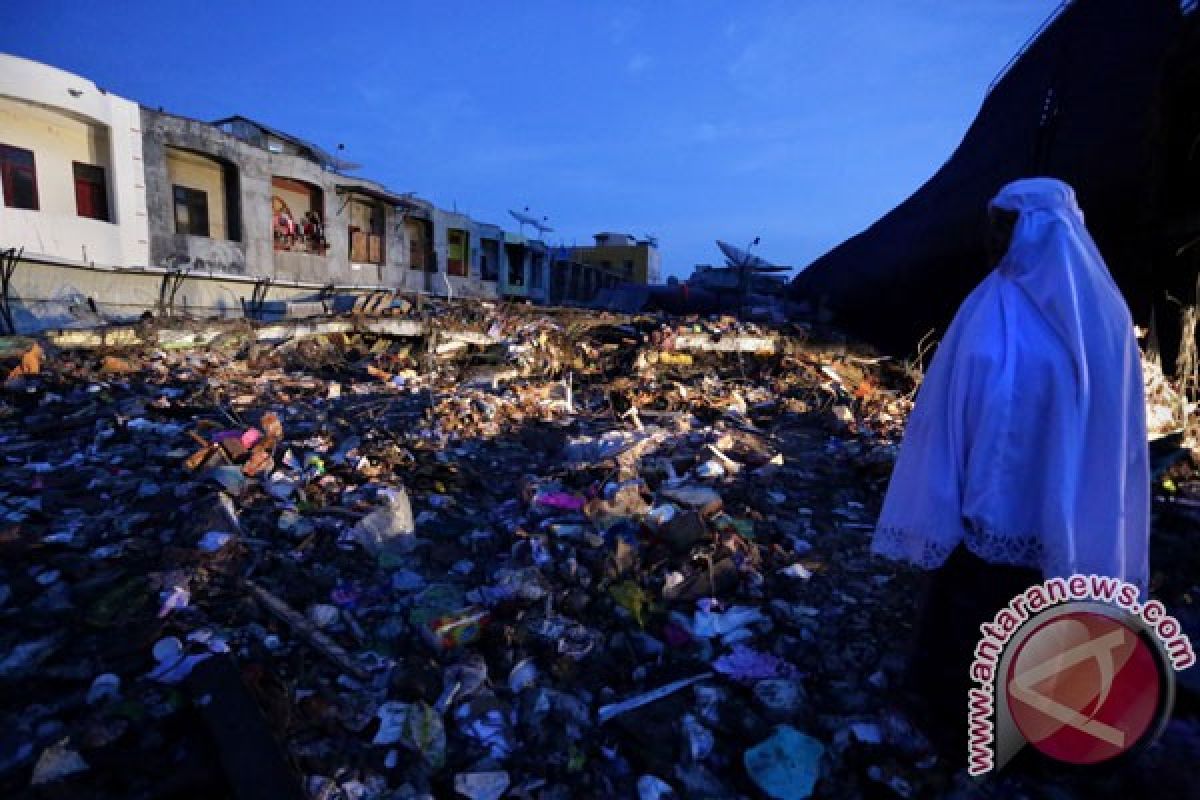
(552, 553)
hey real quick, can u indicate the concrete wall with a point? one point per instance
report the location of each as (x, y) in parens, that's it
(403, 276)
(63, 118)
(335, 266)
(165, 135)
(647, 262)
(55, 295)
(254, 254)
(537, 276)
(470, 285)
(206, 175)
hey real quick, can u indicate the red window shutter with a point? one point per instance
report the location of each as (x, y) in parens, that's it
(84, 198)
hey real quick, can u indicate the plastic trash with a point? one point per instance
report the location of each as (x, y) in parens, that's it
(481, 785)
(213, 541)
(560, 501)
(698, 741)
(456, 629)
(425, 733)
(488, 722)
(651, 788)
(607, 712)
(390, 528)
(523, 675)
(785, 765)
(462, 681)
(322, 614)
(745, 664)
(393, 718)
(230, 478)
(174, 662)
(700, 498)
(781, 699)
(104, 687)
(796, 571)
(173, 599)
(57, 762)
(709, 624)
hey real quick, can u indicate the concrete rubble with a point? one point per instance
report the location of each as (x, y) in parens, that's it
(478, 551)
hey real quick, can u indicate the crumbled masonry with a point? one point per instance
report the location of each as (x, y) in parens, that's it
(481, 551)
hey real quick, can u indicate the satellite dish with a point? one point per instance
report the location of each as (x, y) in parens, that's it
(525, 218)
(737, 257)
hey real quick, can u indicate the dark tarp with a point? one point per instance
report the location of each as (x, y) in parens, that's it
(1080, 104)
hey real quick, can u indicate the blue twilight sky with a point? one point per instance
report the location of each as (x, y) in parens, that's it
(799, 121)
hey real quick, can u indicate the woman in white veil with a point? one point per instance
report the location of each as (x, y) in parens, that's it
(1025, 456)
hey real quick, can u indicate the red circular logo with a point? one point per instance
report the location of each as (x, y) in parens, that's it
(1083, 687)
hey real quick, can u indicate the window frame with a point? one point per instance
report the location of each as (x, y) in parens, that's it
(190, 195)
(7, 167)
(458, 267)
(516, 270)
(99, 190)
(489, 259)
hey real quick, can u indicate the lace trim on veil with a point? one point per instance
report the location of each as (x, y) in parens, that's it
(1021, 550)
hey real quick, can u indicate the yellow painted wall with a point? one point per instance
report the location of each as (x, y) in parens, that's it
(56, 140)
(197, 172)
(640, 256)
(64, 118)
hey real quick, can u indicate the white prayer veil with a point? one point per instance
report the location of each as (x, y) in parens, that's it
(1028, 439)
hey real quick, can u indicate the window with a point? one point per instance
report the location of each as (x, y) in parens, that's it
(218, 181)
(91, 191)
(366, 232)
(535, 273)
(489, 259)
(627, 269)
(297, 216)
(419, 257)
(516, 264)
(191, 211)
(456, 252)
(19, 177)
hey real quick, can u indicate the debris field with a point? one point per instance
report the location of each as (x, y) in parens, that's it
(479, 552)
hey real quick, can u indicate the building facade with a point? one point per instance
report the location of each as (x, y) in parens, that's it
(230, 198)
(221, 211)
(71, 160)
(631, 259)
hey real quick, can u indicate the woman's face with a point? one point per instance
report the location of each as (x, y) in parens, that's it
(1000, 231)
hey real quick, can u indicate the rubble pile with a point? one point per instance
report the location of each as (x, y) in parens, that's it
(568, 557)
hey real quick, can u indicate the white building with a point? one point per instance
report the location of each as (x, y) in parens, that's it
(71, 163)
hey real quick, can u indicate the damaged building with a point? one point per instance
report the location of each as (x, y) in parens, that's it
(111, 209)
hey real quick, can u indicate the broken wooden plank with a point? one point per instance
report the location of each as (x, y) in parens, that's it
(300, 626)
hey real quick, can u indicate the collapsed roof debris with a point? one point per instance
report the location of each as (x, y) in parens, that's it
(474, 551)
